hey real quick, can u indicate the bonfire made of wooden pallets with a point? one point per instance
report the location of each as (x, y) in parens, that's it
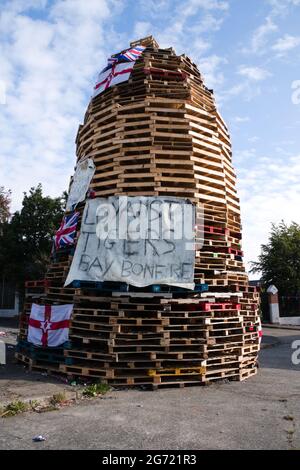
(158, 134)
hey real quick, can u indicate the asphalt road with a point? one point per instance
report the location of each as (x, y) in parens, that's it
(260, 413)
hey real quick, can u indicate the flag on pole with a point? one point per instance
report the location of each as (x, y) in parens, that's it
(65, 235)
(260, 331)
(130, 55)
(110, 76)
(117, 71)
(49, 324)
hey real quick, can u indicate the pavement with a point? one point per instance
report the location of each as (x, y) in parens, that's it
(260, 413)
(17, 383)
(281, 327)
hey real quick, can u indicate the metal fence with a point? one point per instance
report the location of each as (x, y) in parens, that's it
(289, 306)
(7, 295)
(264, 306)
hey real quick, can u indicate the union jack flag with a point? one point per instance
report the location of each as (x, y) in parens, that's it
(117, 70)
(130, 55)
(66, 233)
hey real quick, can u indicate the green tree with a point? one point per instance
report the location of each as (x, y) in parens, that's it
(4, 204)
(25, 242)
(279, 261)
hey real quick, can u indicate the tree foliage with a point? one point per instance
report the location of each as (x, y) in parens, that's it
(279, 261)
(4, 204)
(25, 241)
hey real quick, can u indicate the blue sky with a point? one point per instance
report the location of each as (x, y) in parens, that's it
(247, 50)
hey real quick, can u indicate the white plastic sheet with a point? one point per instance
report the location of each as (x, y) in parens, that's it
(137, 240)
(80, 184)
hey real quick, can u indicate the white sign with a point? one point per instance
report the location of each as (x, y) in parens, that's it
(136, 240)
(80, 184)
(272, 290)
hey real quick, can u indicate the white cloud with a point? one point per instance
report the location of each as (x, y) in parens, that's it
(208, 23)
(235, 90)
(261, 35)
(241, 119)
(187, 28)
(282, 7)
(279, 199)
(48, 66)
(253, 73)
(50, 55)
(188, 7)
(240, 156)
(286, 43)
(245, 88)
(142, 29)
(260, 41)
(253, 139)
(209, 67)
(185, 22)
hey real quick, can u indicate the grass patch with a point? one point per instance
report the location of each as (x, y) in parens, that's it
(14, 408)
(94, 390)
(34, 404)
(57, 399)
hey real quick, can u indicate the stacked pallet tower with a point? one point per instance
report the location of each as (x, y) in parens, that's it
(158, 134)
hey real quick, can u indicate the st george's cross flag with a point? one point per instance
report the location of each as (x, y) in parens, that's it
(113, 75)
(260, 331)
(65, 235)
(49, 324)
(117, 71)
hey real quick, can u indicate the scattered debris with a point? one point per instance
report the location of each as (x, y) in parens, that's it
(38, 438)
(288, 418)
(44, 408)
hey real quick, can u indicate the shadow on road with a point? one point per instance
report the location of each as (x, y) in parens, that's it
(281, 354)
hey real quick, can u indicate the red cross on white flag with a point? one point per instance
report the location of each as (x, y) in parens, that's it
(49, 324)
(113, 75)
(260, 330)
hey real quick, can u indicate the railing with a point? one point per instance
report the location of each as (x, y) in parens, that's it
(7, 295)
(289, 306)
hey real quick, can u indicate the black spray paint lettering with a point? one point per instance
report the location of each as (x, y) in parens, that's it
(182, 270)
(86, 264)
(87, 239)
(86, 218)
(179, 271)
(138, 269)
(130, 247)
